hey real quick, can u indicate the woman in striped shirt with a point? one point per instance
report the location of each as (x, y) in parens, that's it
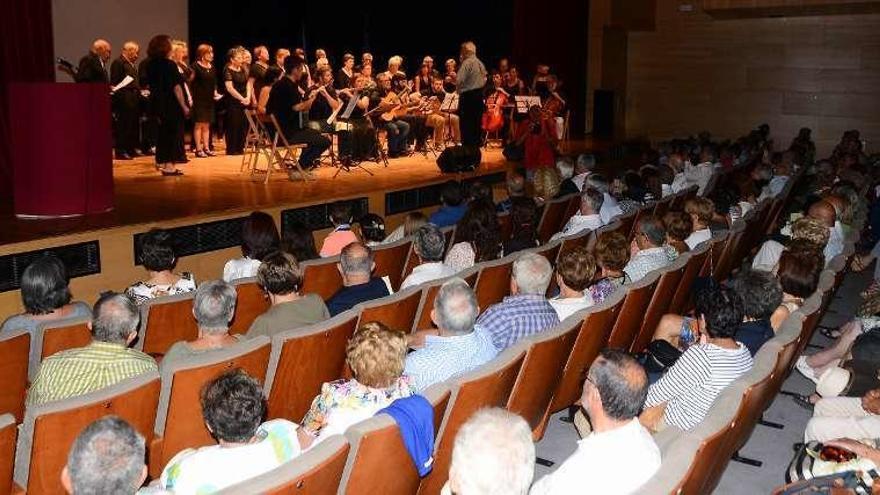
(683, 396)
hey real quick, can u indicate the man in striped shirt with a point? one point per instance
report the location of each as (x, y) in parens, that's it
(104, 362)
(684, 394)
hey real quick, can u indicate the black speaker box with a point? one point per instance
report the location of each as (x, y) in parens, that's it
(459, 159)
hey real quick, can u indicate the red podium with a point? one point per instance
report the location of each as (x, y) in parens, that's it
(62, 149)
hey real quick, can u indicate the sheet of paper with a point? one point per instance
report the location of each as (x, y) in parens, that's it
(123, 83)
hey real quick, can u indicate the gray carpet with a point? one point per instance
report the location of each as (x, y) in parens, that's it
(769, 445)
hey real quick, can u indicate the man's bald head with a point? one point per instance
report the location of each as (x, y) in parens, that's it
(824, 212)
(621, 382)
(130, 50)
(356, 259)
(839, 203)
(101, 48)
(115, 319)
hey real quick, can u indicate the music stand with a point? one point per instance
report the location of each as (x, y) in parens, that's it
(449, 106)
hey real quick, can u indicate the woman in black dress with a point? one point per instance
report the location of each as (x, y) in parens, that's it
(235, 78)
(204, 88)
(167, 103)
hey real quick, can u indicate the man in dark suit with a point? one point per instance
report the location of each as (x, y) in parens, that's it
(93, 67)
(126, 102)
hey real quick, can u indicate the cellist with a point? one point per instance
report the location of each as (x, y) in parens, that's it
(553, 105)
(495, 117)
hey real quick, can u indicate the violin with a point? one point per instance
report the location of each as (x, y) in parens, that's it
(553, 106)
(493, 117)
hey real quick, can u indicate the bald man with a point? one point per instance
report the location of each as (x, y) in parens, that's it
(126, 102)
(356, 266)
(93, 67)
(824, 211)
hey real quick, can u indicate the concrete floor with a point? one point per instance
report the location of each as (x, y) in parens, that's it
(771, 446)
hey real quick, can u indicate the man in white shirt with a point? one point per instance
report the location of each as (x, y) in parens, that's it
(700, 174)
(587, 218)
(582, 169)
(777, 183)
(610, 209)
(648, 250)
(429, 244)
(619, 455)
(701, 211)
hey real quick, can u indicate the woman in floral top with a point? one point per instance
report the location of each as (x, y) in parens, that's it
(612, 254)
(376, 356)
(158, 257)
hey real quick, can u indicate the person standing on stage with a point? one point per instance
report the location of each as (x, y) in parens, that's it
(167, 104)
(286, 102)
(93, 67)
(470, 79)
(126, 102)
(235, 79)
(204, 94)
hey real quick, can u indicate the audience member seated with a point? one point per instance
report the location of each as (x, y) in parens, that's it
(478, 236)
(574, 273)
(805, 229)
(429, 244)
(583, 167)
(701, 211)
(456, 346)
(516, 188)
(45, 296)
(281, 278)
(679, 226)
(300, 242)
(628, 191)
(610, 208)
(452, 205)
(684, 394)
(525, 311)
(411, 223)
(372, 229)
(587, 217)
(259, 237)
(612, 256)
(546, 182)
(108, 456)
(213, 308)
(106, 361)
(617, 454)
(340, 218)
(798, 275)
(233, 407)
(845, 417)
(493, 454)
(158, 258)
(761, 295)
(356, 266)
(700, 174)
(684, 331)
(649, 251)
(825, 213)
(565, 167)
(376, 356)
(777, 183)
(523, 226)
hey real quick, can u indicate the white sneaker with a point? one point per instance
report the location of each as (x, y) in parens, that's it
(805, 369)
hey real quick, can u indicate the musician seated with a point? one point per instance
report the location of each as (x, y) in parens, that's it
(325, 104)
(367, 73)
(554, 104)
(450, 77)
(398, 77)
(387, 102)
(357, 141)
(441, 120)
(286, 100)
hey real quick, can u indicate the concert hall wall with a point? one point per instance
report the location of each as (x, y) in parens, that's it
(76, 23)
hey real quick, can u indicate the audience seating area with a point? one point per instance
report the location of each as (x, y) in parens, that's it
(535, 378)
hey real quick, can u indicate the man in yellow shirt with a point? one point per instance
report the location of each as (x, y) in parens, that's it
(104, 362)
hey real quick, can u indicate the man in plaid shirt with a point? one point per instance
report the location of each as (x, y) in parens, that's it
(525, 312)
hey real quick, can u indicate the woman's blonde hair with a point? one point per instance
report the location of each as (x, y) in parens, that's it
(547, 183)
(413, 221)
(810, 229)
(376, 355)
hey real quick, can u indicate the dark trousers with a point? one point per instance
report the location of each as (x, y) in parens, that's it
(397, 132)
(316, 143)
(126, 109)
(470, 111)
(236, 129)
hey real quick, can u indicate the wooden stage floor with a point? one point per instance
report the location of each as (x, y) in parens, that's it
(216, 185)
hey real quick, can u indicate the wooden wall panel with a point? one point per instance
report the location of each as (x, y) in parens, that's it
(727, 76)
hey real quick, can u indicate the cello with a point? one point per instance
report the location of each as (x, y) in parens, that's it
(493, 117)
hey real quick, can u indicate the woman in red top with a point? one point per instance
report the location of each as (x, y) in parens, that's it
(538, 137)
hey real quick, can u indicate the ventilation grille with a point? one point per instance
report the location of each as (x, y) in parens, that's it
(427, 196)
(199, 238)
(80, 259)
(316, 217)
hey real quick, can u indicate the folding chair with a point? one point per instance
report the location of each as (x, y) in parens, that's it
(289, 155)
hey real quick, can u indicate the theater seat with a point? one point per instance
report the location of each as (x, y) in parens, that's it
(321, 277)
(397, 312)
(8, 433)
(391, 260)
(49, 429)
(487, 386)
(695, 263)
(179, 424)
(302, 360)
(63, 335)
(15, 349)
(316, 472)
(493, 283)
(251, 302)
(166, 321)
(638, 296)
(670, 277)
(379, 462)
(553, 218)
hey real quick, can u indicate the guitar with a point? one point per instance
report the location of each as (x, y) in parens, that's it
(398, 108)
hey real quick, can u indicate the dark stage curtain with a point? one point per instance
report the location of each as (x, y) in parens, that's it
(555, 34)
(26, 55)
